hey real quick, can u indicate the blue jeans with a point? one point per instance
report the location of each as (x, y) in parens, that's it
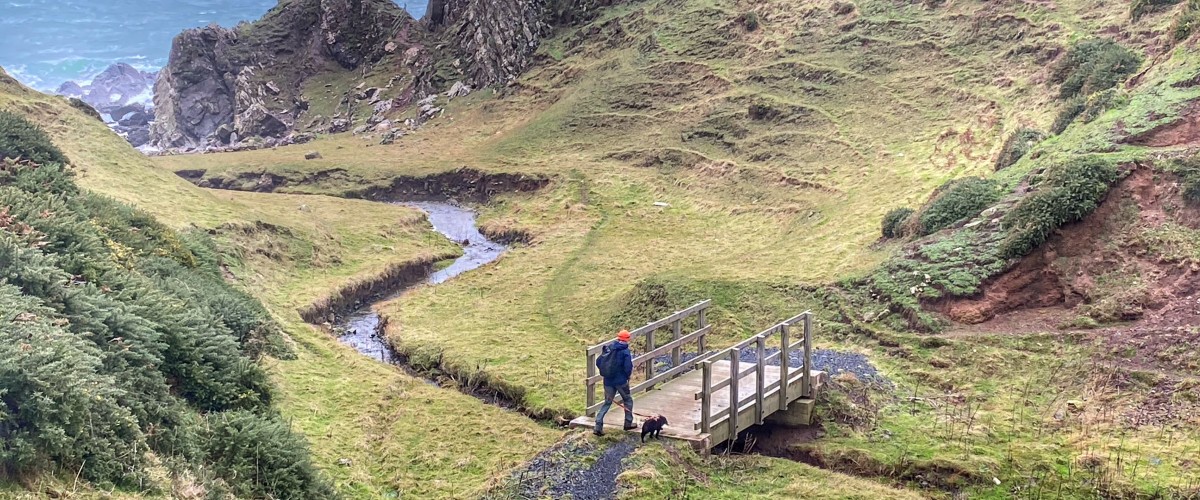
(610, 392)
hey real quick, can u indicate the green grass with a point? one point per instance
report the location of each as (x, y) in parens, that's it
(867, 112)
(669, 470)
(294, 250)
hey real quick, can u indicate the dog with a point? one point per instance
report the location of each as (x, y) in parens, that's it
(652, 426)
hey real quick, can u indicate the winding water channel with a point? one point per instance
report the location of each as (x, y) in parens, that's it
(361, 329)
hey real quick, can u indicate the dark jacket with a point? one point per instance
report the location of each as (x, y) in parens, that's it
(624, 361)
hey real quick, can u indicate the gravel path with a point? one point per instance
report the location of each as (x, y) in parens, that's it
(581, 469)
(829, 361)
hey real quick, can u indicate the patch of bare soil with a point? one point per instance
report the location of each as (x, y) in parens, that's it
(1182, 132)
(1070, 269)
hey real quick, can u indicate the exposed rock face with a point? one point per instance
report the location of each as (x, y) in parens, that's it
(118, 93)
(215, 80)
(495, 39)
(195, 93)
(246, 87)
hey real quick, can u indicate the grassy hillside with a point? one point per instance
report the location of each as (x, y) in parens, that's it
(778, 134)
(778, 150)
(291, 251)
(747, 151)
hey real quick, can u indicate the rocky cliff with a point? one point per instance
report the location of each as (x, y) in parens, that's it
(222, 85)
(121, 94)
(250, 86)
(494, 40)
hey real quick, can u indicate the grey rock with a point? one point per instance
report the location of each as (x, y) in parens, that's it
(338, 125)
(361, 129)
(383, 126)
(459, 89)
(312, 155)
(302, 138)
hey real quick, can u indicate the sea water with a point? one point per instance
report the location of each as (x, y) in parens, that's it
(44, 43)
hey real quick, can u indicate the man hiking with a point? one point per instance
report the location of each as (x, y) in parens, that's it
(616, 365)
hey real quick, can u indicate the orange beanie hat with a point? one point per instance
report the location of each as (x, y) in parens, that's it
(623, 336)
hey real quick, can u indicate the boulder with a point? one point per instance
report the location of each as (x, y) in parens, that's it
(312, 155)
(390, 137)
(383, 126)
(338, 125)
(257, 120)
(459, 89)
(302, 138)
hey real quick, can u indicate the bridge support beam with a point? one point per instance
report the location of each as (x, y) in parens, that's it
(798, 414)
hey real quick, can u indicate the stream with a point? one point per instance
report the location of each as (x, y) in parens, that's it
(361, 329)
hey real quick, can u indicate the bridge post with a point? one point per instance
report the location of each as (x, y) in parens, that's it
(705, 396)
(784, 361)
(806, 385)
(591, 386)
(701, 322)
(760, 375)
(677, 352)
(734, 399)
(650, 345)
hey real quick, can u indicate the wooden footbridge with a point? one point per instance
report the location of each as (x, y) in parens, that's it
(694, 389)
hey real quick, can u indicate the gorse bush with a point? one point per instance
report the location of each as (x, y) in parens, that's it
(1066, 193)
(1139, 8)
(1017, 145)
(1067, 115)
(1094, 65)
(956, 201)
(1187, 21)
(750, 21)
(265, 454)
(21, 139)
(115, 333)
(894, 221)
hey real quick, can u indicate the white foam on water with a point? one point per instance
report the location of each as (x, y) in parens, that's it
(145, 97)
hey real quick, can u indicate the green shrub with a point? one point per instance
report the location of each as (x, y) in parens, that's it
(1139, 8)
(1067, 193)
(956, 201)
(1017, 145)
(1187, 22)
(261, 457)
(21, 139)
(1094, 65)
(1188, 170)
(116, 332)
(1067, 115)
(894, 221)
(750, 21)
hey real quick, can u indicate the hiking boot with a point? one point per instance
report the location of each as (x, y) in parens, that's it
(630, 427)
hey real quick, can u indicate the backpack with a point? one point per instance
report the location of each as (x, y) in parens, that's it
(605, 362)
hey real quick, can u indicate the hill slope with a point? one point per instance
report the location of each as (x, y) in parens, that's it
(747, 152)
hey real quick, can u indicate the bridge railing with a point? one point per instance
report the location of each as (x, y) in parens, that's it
(646, 337)
(738, 370)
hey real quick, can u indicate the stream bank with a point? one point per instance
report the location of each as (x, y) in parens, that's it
(362, 327)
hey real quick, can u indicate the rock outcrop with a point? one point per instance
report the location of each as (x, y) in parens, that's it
(121, 94)
(494, 40)
(224, 85)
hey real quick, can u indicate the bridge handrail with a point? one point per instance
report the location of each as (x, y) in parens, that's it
(762, 390)
(652, 350)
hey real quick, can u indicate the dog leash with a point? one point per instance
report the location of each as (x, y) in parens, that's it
(643, 415)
